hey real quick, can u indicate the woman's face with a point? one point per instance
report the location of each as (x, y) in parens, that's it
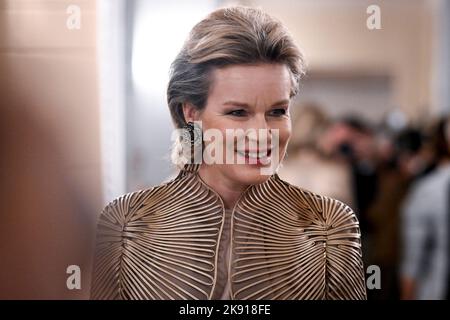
(249, 98)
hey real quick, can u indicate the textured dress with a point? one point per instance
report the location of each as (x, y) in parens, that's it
(177, 241)
(222, 283)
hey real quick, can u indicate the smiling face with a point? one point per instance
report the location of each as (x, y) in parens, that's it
(248, 97)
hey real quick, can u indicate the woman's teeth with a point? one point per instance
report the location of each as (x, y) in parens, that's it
(254, 155)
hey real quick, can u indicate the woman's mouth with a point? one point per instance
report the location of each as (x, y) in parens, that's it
(258, 157)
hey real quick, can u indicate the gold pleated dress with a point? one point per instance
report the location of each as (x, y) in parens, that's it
(177, 241)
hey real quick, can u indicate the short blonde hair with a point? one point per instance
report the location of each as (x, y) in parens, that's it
(228, 36)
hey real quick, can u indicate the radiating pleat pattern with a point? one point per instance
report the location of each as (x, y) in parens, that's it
(286, 243)
(289, 243)
(159, 243)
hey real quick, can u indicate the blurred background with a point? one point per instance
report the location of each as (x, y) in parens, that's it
(84, 119)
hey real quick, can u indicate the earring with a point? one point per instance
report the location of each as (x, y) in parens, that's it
(192, 135)
(191, 142)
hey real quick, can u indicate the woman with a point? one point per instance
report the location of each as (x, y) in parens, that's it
(233, 230)
(425, 265)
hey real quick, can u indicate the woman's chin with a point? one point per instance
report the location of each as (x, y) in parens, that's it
(248, 174)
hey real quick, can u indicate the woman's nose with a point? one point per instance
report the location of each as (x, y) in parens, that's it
(261, 128)
(260, 122)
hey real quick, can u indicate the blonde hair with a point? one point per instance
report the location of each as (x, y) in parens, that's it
(228, 36)
(309, 124)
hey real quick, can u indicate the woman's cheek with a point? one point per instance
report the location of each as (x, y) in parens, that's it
(285, 135)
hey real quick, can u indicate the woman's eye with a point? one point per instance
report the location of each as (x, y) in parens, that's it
(238, 113)
(278, 112)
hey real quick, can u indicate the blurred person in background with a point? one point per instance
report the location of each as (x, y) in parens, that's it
(352, 141)
(308, 165)
(401, 158)
(355, 143)
(425, 227)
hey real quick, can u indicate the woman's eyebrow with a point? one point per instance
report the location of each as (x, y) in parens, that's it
(284, 101)
(236, 103)
(246, 105)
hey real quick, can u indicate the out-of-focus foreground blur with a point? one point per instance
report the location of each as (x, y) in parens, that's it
(84, 119)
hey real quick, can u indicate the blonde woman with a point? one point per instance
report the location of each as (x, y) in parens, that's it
(222, 230)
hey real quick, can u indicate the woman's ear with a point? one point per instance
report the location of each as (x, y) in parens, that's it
(190, 112)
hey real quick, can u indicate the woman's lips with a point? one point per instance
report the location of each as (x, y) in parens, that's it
(259, 157)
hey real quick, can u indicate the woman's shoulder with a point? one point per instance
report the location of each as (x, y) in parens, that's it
(123, 203)
(329, 211)
(124, 207)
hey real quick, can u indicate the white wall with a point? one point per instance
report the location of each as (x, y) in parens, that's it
(334, 37)
(159, 30)
(111, 26)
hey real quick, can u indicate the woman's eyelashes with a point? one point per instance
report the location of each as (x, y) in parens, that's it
(237, 113)
(276, 112)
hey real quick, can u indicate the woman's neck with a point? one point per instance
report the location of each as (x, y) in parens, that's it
(228, 190)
